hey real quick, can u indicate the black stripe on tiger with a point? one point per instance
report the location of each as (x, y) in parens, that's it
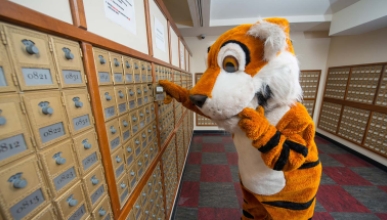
(283, 158)
(247, 214)
(291, 205)
(271, 143)
(297, 148)
(309, 165)
(244, 48)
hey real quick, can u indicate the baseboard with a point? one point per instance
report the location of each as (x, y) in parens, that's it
(211, 132)
(369, 160)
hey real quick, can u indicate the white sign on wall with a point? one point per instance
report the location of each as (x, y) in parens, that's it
(121, 12)
(159, 35)
(182, 59)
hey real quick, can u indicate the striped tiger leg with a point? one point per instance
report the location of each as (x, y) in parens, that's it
(252, 208)
(291, 211)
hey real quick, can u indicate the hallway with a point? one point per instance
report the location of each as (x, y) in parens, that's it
(351, 188)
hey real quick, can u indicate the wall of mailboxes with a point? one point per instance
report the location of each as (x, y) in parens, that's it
(50, 160)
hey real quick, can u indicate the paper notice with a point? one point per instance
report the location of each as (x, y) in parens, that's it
(159, 35)
(121, 12)
(182, 59)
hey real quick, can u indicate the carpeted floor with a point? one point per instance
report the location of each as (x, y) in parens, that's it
(351, 188)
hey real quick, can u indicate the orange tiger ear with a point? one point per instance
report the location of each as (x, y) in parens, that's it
(275, 33)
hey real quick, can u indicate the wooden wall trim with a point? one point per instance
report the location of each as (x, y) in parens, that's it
(358, 65)
(25, 17)
(148, 27)
(363, 106)
(169, 41)
(88, 59)
(78, 13)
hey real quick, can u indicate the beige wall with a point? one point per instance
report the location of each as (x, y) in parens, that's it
(358, 49)
(311, 51)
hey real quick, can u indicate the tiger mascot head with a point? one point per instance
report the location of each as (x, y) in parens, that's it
(247, 66)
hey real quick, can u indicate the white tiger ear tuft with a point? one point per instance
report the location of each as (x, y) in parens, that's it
(273, 35)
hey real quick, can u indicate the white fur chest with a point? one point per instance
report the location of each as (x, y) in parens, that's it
(255, 175)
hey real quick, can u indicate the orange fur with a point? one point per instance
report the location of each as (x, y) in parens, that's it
(301, 184)
(294, 128)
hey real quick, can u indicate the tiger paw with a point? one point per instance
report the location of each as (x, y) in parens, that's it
(253, 122)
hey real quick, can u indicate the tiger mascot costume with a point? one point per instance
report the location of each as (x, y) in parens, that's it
(251, 89)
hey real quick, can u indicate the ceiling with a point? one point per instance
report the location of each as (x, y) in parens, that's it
(213, 17)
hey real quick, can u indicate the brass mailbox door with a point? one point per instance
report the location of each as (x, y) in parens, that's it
(144, 139)
(113, 133)
(125, 127)
(46, 213)
(134, 121)
(132, 176)
(129, 153)
(23, 191)
(148, 114)
(131, 93)
(140, 167)
(102, 65)
(128, 70)
(157, 73)
(103, 210)
(139, 95)
(117, 70)
(109, 103)
(144, 71)
(60, 166)
(141, 116)
(122, 102)
(137, 145)
(78, 110)
(136, 70)
(118, 163)
(123, 189)
(87, 150)
(71, 204)
(47, 116)
(149, 73)
(8, 79)
(32, 59)
(146, 93)
(69, 63)
(15, 135)
(95, 186)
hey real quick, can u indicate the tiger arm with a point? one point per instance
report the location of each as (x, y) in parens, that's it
(279, 152)
(180, 94)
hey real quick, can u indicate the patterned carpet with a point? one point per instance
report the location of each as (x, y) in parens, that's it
(351, 188)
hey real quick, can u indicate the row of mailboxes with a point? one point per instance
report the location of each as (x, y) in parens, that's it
(180, 149)
(150, 203)
(50, 161)
(166, 121)
(170, 174)
(113, 68)
(41, 119)
(26, 185)
(119, 100)
(121, 129)
(31, 60)
(163, 73)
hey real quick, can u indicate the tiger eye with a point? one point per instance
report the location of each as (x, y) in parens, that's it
(230, 64)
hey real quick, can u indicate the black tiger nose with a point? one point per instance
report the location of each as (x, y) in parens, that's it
(198, 100)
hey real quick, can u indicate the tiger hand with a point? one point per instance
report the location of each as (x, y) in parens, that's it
(254, 123)
(174, 92)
